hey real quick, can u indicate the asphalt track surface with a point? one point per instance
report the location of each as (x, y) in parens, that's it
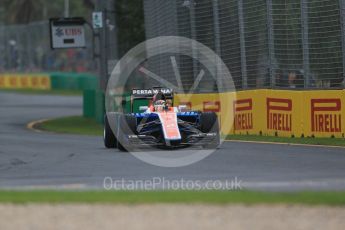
(30, 159)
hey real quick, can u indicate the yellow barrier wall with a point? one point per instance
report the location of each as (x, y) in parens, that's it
(324, 113)
(275, 112)
(283, 113)
(247, 108)
(25, 81)
(210, 102)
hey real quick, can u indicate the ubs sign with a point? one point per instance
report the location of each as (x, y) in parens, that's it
(67, 33)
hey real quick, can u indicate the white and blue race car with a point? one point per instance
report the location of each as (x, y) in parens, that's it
(160, 124)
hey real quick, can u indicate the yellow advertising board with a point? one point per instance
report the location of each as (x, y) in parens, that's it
(283, 113)
(25, 81)
(324, 113)
(289, 113)
(2, 81)
(219, 103)
(247, 109)
(40, 82)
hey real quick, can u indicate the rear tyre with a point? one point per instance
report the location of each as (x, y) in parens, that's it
(128, 126)
(109, 138)
(209, 124)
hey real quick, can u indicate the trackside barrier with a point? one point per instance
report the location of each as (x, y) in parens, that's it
(73, 81)
(99, 106)
(324, 113)
(89, 103)
(274, 112)
(25, 81)
(94, 105)
(64, 81)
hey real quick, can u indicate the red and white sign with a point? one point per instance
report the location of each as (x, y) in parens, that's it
(211, 106)
(279, 114)
(243, 114)
(67, 33)
(326, 115)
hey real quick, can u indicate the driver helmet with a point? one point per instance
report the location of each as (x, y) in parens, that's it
(159, 102)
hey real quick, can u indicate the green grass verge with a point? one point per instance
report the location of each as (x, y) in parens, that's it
(63, 92)
(72, 125)
(186, 197)
(85, 126)
(306, 140)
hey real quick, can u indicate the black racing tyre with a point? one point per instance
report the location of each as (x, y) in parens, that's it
(109, 138)
(128, 126)
(209, 124)
(132, 123)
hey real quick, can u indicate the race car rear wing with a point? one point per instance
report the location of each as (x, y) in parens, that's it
(149, 93)
(143, 97)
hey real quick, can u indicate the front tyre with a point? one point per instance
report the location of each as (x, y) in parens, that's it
(128, 126)
(109, 138)
(209, 124)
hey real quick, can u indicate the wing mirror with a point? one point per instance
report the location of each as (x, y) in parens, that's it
(182, 107)
(143, 108)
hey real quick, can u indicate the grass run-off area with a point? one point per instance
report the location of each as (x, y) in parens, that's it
(186, 197)
(62, 92)
(86, 126)
(72, 125)
(296, 140)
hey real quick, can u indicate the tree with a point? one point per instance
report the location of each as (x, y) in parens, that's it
(26, 11)
(130, 24)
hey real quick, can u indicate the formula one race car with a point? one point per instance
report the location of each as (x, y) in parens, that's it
(160, 124)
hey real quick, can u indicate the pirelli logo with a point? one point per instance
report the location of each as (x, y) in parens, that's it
(207, 106)
(243, 110)
(211, 106)
(279, 114)
(326, 115)
(187, 104)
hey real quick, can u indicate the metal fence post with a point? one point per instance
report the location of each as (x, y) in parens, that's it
(2, 46)
(243, 45)
(6, 48)
(342, 21)
(18, 48)
(29, 50)
(216, 27)
(305, 42)
(193, 37)
(102, 47)
(216, 30)
(270, 42)
(111, 28)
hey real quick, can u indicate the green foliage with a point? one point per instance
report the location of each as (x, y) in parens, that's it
(130, 24)
(26, 11)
